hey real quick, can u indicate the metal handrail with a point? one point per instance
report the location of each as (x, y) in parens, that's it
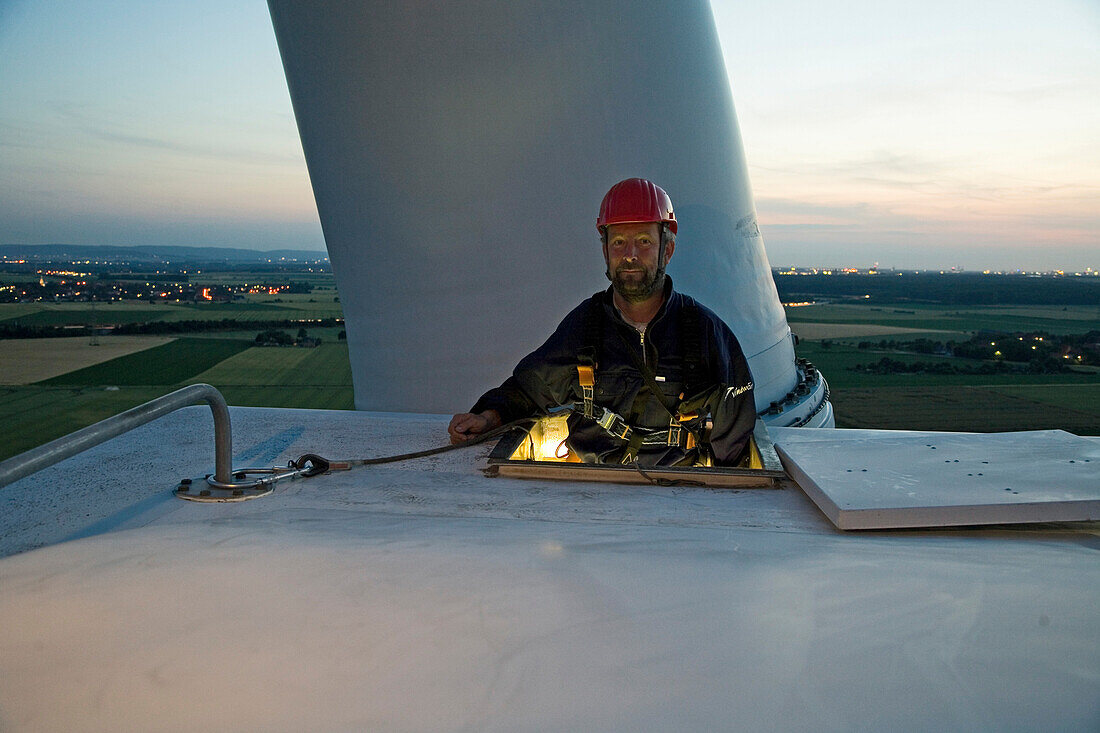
(38, 458)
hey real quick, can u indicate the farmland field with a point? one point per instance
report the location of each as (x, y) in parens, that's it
(309, 398)
(263, 366)
(977, 409)
(57, 385)
(955, 402)
(1073, 319)
(1081, 398)
(835, 363)
(263, 308)
(23, 361)
(320, 377)
(79, 314)
(15, 310)
(819, 331)
(169, 364)
(313, 378)
(32, 415)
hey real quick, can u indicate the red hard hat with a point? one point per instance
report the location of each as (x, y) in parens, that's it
(636, 201)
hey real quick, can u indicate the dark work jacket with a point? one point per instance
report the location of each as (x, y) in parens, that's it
(547, 378)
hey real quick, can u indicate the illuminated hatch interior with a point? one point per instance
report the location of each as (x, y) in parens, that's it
(543, 452)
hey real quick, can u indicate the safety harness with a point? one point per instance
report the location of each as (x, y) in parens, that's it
(695, 378)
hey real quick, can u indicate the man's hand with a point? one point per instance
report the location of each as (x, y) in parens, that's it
(467, 425)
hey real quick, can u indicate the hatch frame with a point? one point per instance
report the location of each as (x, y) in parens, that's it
(767, 470)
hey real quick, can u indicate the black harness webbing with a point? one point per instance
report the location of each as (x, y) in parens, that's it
(695, 377)
(593, 333)
(650, 378)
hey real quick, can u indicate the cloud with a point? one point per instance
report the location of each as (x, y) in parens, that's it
(1003, 232)
(219, 141)
(190, 148)
(134, 229)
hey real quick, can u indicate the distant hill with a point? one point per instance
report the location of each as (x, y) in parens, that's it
(152, 253)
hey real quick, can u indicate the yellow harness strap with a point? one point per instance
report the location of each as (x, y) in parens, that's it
(587, 376)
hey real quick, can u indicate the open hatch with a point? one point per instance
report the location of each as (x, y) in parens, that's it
(542, 452)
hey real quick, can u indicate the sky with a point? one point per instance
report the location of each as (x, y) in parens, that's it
(912, 135)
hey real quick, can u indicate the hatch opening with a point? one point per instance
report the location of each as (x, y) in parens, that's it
(542, 452)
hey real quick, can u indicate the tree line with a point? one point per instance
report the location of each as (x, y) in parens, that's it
(1035, 352)
(953, 288)
(18, 331)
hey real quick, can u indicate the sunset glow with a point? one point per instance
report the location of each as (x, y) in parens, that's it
(936, 135)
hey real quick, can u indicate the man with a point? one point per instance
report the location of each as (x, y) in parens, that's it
(651, 376)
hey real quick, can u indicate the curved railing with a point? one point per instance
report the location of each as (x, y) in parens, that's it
(38, 458)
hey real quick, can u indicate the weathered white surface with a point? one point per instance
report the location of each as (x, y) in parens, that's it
(424, 596)
(126, 482)
(889, 479)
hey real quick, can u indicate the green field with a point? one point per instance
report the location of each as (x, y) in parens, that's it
(309, 398)
(170, 364)
(16, 310)
(1053, 319)
(286, 367)
(320, 378)
(255, 308)
(313, 378)
(980, 409)
(835, 361)
(32, 415)
(957, 402)
(1080, 398)
(316, 378)
(79, 314)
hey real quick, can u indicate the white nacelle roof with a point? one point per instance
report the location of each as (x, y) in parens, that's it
(425, 596)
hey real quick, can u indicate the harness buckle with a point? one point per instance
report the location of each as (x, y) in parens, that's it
(607, 419)
(586, 374)
(614, 424)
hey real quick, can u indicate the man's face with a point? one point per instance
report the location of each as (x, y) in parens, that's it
(631, 253)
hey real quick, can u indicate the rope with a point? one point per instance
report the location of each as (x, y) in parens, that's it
(320, 465)
(666, 481)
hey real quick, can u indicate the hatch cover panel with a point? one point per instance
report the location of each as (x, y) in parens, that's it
(865, 479)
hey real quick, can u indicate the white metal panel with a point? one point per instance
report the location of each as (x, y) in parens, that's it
(884, 479)
(459, 151)
(425, 596)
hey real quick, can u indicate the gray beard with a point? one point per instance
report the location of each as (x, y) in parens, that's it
(641, 290)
